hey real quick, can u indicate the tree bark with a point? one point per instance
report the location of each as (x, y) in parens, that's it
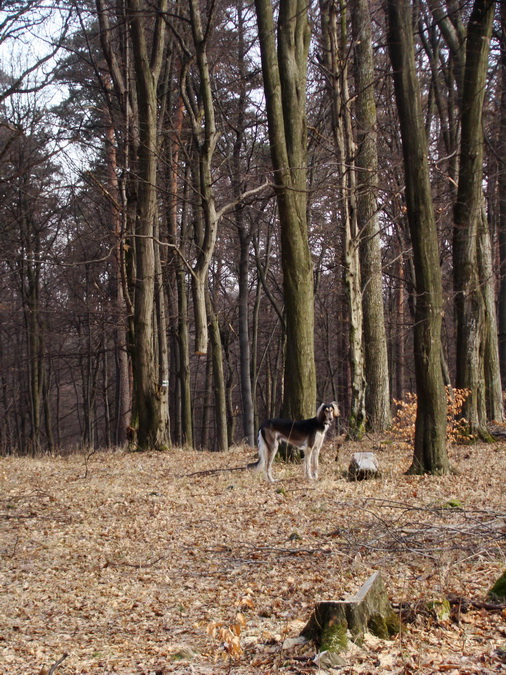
(430, 429)
(184, 373)
(501, 153)
(248, 415)
(334, 38)
(220, 400)
(149, 393)
(377, 396)
(284, 74)
(471, 242)
(205, 138)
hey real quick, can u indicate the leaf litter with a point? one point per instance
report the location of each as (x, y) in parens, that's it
(162, 563)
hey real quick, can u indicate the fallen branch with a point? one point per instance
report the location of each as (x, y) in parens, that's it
(137, 566)
(465, 603)
(55, 665)
(208, 472)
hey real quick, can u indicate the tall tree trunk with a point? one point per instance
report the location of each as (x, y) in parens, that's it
(160, 338)
(284, 74)
(220, 399)
(334, 34)
(148, 390)
(248, 416)
(501, 153)
(471, 241)
(184, 335)
(123, 396)
(430, 430)
(399, 355)
(492, 370)
(205, 138)
(377, 397)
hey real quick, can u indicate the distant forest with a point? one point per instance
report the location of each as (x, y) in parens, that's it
(213, 212)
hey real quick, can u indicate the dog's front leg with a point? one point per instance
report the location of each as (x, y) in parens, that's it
(308, 463)
(315, 462)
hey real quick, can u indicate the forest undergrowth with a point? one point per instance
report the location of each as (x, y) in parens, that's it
(158, 563)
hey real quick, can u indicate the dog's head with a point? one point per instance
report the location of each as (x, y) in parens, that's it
(327, 411)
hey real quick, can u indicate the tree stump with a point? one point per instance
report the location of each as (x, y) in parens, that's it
(498, 590)
(363, 465)
(369, 610)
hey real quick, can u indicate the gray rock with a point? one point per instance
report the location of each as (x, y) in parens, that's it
(363, 465)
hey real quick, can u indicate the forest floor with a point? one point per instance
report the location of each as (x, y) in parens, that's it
(148, 563)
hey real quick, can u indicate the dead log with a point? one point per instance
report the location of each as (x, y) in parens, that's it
(332, 623)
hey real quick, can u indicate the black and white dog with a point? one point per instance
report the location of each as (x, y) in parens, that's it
(307, 435)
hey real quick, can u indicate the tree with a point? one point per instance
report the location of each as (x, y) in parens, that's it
(501, 153)
(377, 395)
(17, 19)
(430, 435)
(477, 347)
(335, 62)
(284, 76)
(150, 387)
(29, 212)
(244, 234)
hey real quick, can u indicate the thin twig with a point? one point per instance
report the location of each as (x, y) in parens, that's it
(208, 472)
(55, 665)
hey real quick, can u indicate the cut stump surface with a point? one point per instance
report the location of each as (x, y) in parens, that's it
(369, 610)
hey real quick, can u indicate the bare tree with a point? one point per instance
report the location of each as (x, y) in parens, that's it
(477, 347)
(377, 395)
(430, 436)
(284, 74)
(150, 391)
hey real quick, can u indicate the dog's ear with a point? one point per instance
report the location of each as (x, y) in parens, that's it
(335, 409)
(320, 410)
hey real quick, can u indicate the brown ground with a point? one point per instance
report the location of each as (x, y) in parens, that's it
(127, 562)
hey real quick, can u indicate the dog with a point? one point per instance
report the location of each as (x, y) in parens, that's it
(307, 435)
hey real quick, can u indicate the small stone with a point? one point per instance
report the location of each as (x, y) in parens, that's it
(328, 659)
(290, 643)
(363, 466)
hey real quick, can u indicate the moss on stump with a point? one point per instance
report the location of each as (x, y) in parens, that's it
(369, 610)
(498, 590)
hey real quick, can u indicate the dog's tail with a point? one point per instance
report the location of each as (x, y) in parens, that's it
(259, 465)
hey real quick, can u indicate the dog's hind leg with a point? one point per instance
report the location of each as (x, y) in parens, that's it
(271, 446)
(260, 464)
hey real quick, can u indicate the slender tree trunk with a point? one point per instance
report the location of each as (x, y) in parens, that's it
(471, 241)
(160, 338)
(184, 340)
(334, 43)
(244, 339)
(399, 336)
(149, 395)
(123, 396)
(493, 392)
(248, 417)
(501, 153)
(205, 138)
(377, 397)
(284, 74)
(220, 399)
(48, 415)
(430, 430)
(183, 405)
